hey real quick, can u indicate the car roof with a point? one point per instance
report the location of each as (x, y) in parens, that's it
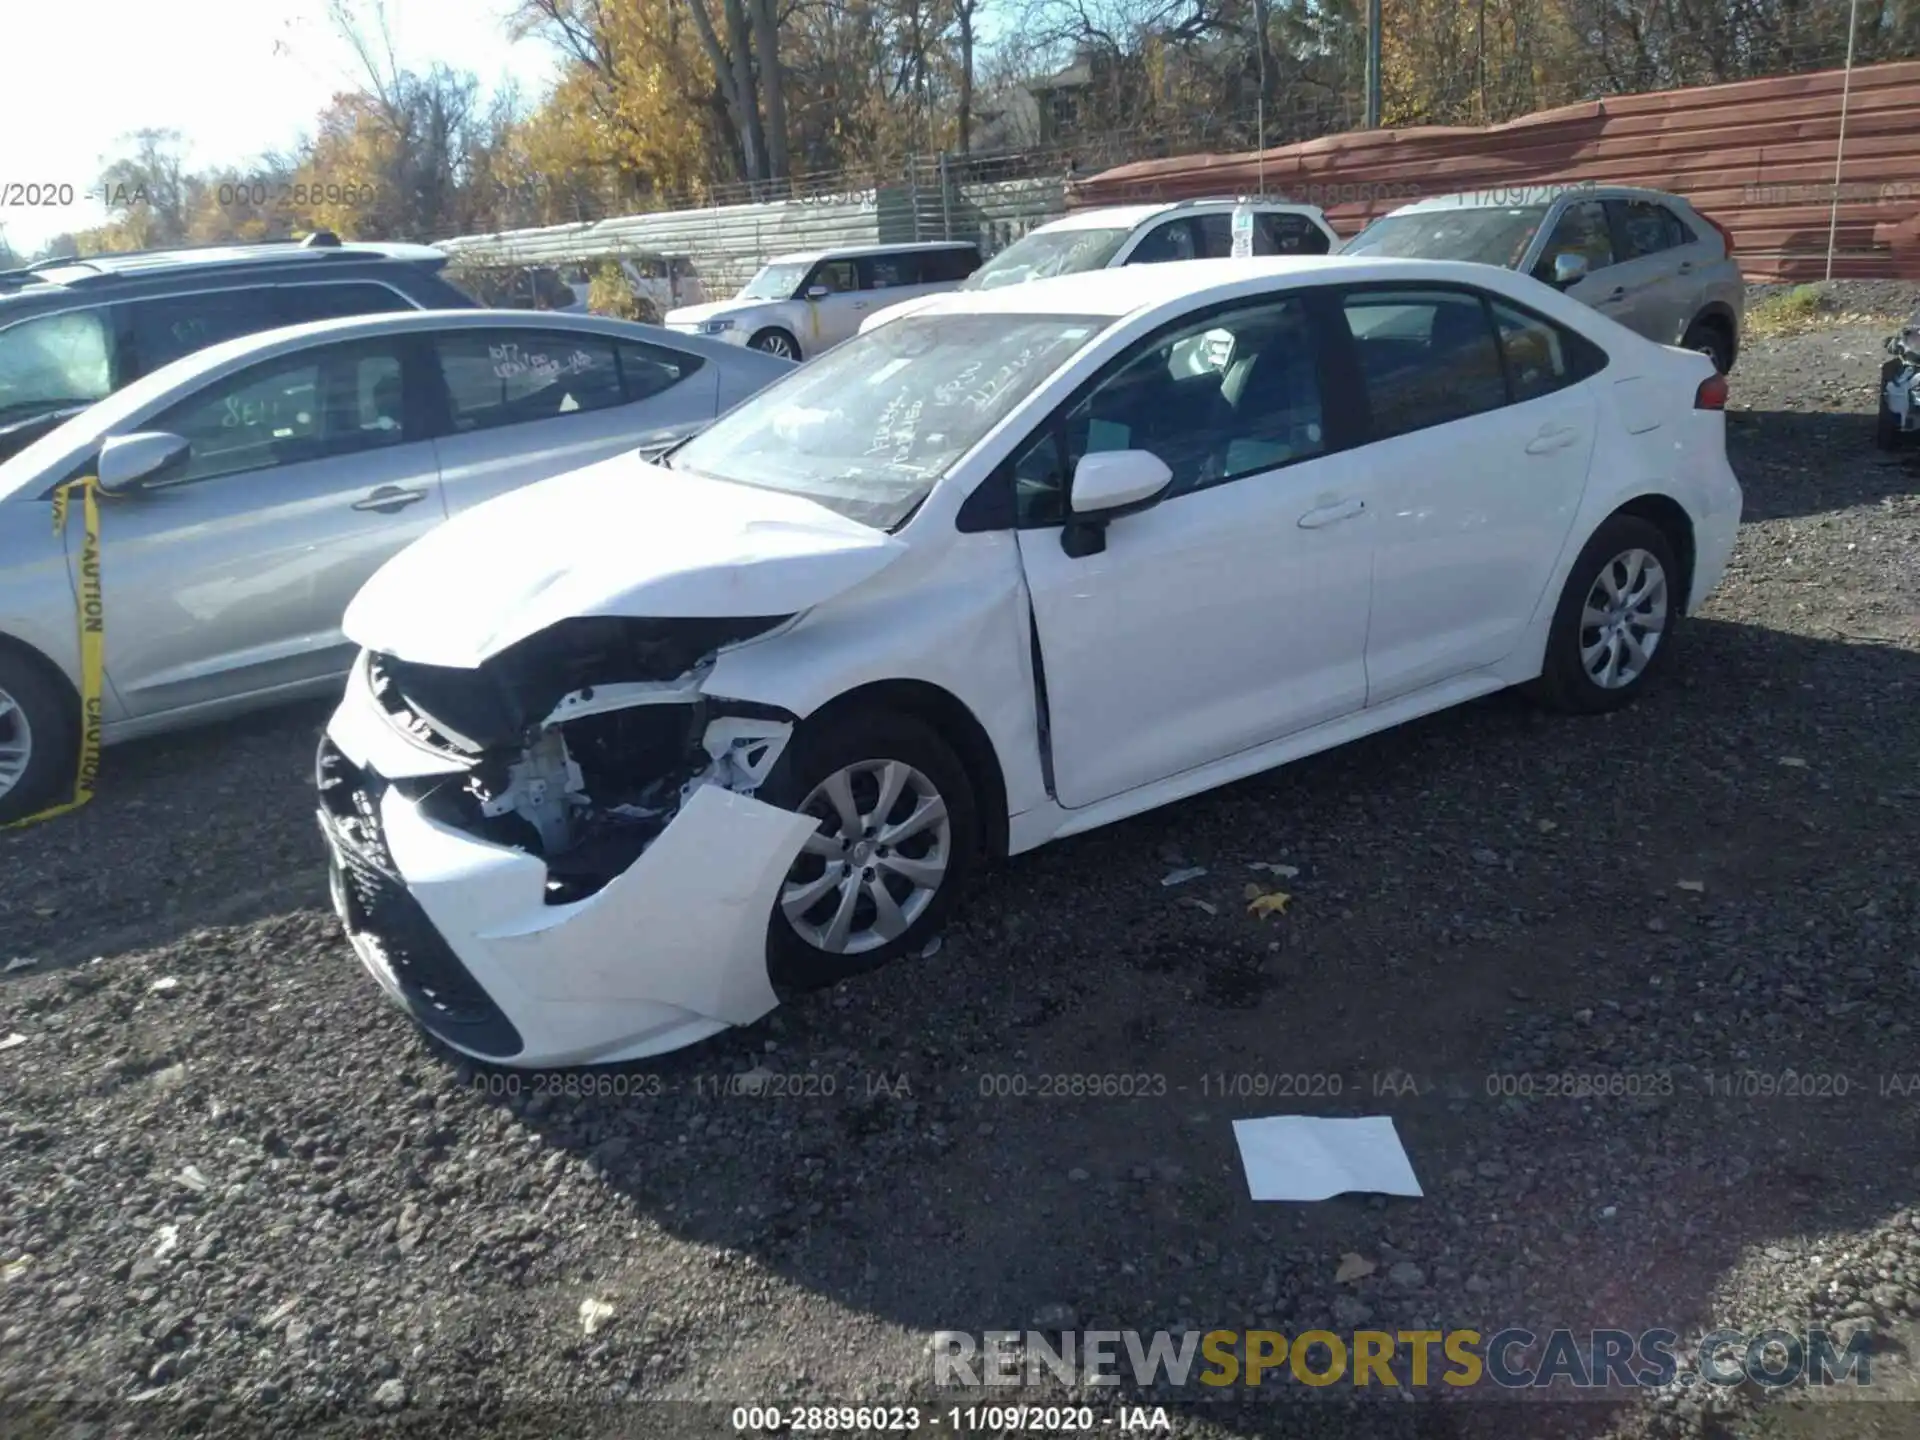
(854, 252)
(1521, 195)
(1132, 289)
(199, 365)
(49, 277)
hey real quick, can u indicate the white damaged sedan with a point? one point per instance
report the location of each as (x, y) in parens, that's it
(631, 752)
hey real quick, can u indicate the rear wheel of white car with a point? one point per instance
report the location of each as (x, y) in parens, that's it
(1713, 338)
(776, 341)
(37, 737)
(898, 833)
(1887, 434)
(1614, 625)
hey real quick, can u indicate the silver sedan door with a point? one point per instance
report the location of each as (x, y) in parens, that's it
(229, 580)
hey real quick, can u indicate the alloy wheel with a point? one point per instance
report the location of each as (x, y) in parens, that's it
(777, 345)
(876, 862)
(1623, 620)
(16, 742)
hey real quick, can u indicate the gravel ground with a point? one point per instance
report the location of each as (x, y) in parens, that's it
(239, 1194)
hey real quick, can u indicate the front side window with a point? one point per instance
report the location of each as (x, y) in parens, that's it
(319, 404)
(55, 362)
(1582, 230)
(1218, 400)
(1427, 357)
(510, 377)
(1048, 252)
(870, 427)
(163, 329)
(840, 277)
(1487, 235)
(1650, 228)
(1175, 240)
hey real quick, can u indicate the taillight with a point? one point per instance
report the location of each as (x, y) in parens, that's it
(1712, 394)
(1726, 235)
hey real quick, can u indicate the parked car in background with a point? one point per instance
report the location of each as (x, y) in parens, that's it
(1899, 410)
(800, 305)
(1024, 564)
(1142, 235)
(74, 331)
(254, 485)
(1642, 257)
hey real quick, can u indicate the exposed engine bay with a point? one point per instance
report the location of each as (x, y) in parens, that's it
(581, 743)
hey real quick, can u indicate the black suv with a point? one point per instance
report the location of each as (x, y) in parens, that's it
(74, 331)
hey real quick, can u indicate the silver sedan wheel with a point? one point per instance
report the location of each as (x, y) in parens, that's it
(16, 743)
(1623, 619)
(777, 344)
(876, 862)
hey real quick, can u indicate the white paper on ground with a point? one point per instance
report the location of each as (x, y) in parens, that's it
(1311, 1157)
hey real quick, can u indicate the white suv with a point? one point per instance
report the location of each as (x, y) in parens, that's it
(799, 305)
(1142, 235)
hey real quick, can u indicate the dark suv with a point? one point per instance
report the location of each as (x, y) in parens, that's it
(74, 331)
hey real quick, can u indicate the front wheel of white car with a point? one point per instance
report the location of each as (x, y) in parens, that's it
(37, 737)
(775, 341)
(1614, 624)
(898, 834)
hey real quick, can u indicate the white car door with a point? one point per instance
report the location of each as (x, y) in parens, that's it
(1655, 242)
(836, 304)
(306, 472)
(1477, 493)
(1234, 610)
(526, 404)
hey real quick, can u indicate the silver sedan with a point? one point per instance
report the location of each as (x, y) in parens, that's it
(251, 488)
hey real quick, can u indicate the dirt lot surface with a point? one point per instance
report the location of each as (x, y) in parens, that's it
(239, 1194)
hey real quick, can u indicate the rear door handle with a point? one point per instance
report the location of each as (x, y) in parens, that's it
(1686, 267)
(1552, 438)
(1331, 514)
(389, 498)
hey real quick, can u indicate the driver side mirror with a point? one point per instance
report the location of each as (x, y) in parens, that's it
(1107, 485)
(1569, 269)
(132, 462)
(817, 292)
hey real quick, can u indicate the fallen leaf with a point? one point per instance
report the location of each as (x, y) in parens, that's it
(1181, 877)
(1285, 872)
(1200, 904)
(1698, 887)
(1274, 904)
(1546, 827)
(1793, 760)
(1352, 1267)
(594, 1314)
(13, 1041)
(1253, 891)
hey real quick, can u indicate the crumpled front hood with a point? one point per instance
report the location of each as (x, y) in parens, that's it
(714, 310)
(619, 538)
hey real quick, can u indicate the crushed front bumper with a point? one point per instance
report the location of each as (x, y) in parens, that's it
(460, 931)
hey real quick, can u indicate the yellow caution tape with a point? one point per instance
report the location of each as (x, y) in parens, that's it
(91, 618)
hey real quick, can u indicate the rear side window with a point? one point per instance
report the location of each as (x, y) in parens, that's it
(888, 272)
(1427, 357)
(646, 370)
(161, 330)
(318, 404)
(301, 303)
(1650, 228)
(1540, 356)
(55, 360)
(509, 377)
(1285, 234)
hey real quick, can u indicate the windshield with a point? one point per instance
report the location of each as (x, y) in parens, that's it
(774, 282)
(1490, 236)
(869, 428)
(1048, 252)
(55, 362)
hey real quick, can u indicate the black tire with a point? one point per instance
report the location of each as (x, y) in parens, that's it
(1887, 434)
(1564, 682)
(816, 752)
(775, 341)
(1711, 334)
(52, 725)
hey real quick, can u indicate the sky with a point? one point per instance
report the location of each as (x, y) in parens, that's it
(236, 78)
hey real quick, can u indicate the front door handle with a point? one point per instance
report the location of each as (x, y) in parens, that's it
(1552, 438)
(1331, 514)
(1686, 267)
(389, 498)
